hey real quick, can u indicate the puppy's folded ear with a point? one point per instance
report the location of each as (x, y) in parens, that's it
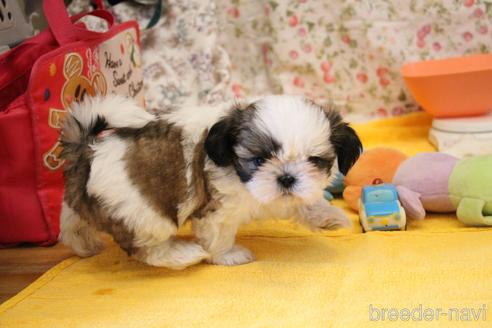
(220, 142)
(346, 142)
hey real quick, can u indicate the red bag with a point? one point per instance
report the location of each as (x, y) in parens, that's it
(38, 80)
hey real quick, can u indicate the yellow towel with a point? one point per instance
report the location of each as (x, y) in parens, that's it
(437, 273)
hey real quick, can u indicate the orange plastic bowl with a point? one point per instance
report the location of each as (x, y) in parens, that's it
(452, 87)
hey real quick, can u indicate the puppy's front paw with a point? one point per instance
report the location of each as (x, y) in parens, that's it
(325, 216)
(235, 256)
(335, 219)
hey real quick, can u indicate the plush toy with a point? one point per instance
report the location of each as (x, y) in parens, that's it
(438, 182)
(422, 182)
(336, 186)
(470, 189)
(377, 163)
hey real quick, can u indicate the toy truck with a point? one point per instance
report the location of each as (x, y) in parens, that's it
(380, 210)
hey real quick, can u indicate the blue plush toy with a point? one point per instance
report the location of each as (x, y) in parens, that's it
(336, 187)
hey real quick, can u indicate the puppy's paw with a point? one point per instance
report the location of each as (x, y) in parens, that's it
(335, 219)
(235, 256)
(96, 247)
(89, 248)
(174, 254)
(325, 216)
(85, 242)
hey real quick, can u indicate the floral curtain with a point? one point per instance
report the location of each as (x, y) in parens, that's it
(344, 51)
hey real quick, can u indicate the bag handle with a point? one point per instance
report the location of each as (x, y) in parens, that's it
(62, 25)
(99, 3)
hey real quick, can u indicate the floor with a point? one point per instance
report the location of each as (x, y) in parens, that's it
(20, 266)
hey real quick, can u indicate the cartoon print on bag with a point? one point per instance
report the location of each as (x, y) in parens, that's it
(75, 88)
(134, 51)
(52, 157)
(78, 86)
(92, 59)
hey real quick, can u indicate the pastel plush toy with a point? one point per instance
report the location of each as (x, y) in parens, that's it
(377, 163)
(470, 188)
(422, 182)
(336, 186)
(439, 182)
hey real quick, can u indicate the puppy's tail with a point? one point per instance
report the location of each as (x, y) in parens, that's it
(85, 120)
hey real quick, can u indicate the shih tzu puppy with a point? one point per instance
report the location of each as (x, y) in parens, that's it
(218, 168)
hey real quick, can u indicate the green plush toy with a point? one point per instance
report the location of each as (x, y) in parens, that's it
(470, 190)
(439, 182)
(432, 182)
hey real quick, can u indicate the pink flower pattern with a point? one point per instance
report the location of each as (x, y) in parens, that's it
(342, 51)
(350, 52)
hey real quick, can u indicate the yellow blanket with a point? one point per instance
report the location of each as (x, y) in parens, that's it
(437, 273)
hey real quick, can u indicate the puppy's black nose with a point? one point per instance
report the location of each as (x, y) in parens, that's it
(286, 180)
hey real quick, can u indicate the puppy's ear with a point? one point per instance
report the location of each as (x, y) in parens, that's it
(220, 141)
(346, 142)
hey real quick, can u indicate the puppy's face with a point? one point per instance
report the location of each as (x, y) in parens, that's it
(283, 146)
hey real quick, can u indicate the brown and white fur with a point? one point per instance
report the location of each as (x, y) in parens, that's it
(219, 168)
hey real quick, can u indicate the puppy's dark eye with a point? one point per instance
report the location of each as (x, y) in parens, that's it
(258, 161)
(320, 162)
